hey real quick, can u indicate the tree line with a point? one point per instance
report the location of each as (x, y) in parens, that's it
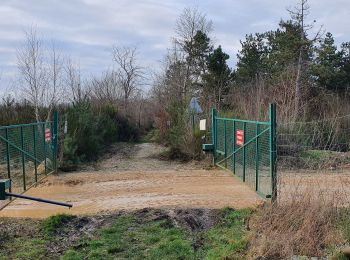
(98, 110)
(297, 65)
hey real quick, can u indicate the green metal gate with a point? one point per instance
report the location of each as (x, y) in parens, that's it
(28, 153)
(248, 149)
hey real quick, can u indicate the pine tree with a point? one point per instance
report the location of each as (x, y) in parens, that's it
(197, 52)
(252, 58)
(218, 77)
(327, 65)
(345, 65)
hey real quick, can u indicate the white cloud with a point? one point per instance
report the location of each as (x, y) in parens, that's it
(88, 28)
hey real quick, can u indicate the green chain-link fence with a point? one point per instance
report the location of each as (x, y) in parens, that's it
(28, 153)
(248, 149)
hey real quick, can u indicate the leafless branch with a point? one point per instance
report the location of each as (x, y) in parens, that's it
(128, 71)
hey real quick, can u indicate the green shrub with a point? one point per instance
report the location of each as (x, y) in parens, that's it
(107, 127)
(83, 130)
(178, 124)
(90, 129)
(70, 157)
(184, 140)
(127, 130)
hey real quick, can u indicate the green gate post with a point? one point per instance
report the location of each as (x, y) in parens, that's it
(23, 160)
(8, 156)
(225, 145)
(4, 185)
(55, 140)
(234, 147)
(257, 158)
(35, 161)
(213, 132)
(273, 152)
(244, 149)
(44, 142)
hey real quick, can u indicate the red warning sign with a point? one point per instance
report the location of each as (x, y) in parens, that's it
(239, 137)
(47, 135)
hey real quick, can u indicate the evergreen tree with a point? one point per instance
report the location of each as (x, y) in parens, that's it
(266, 54)
(345, 65)
(218, 77)
(197, 52)
(284, 46)
(252, 58)
(327, 65)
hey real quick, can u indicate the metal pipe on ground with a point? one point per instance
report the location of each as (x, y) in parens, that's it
(8, 194)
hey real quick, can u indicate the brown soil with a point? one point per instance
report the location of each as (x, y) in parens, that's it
(130, 177)
(139, 157)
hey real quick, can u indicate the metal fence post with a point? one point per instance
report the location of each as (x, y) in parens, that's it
(44, 142)
(35, 155)
(23, 160)
(55, 140)
(8, 156)
(213, 132)
(257, 158)
(225, 145)
(234, 148)
(244, 149)
(273, 152)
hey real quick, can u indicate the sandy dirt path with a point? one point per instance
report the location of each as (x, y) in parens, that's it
(123, 182)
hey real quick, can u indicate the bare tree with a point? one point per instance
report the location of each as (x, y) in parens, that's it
(299, 14)
(189, 23)
(30, 61)
(128, 71)
(53, 89)
(74, 82)
(107, 88)
(41, 81)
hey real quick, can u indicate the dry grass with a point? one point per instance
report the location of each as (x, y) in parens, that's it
(306, 219)
(306, 224)
(302, 228)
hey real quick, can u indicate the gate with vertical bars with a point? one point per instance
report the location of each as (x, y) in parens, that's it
(248, 149)
(28, 153)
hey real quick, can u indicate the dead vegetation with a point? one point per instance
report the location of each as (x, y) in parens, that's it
(301, 228)
(309, 223)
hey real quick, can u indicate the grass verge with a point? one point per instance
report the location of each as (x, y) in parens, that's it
(276, 233)
(145, 234)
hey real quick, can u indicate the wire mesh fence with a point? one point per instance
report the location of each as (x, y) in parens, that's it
(247, 149)
(302, 160)
(27, 153)
(314, 160)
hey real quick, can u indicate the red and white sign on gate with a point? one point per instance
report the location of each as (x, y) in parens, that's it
(47, 135)
(239, 137)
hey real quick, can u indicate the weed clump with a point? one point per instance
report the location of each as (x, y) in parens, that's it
(53, 223)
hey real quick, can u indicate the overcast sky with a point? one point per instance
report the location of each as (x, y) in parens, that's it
(87, 29)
